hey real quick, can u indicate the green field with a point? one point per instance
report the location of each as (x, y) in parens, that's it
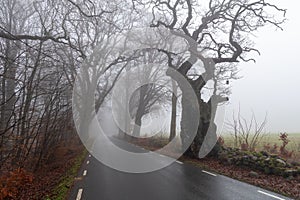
(293, 145)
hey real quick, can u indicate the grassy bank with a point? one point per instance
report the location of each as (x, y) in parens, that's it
(60, 192)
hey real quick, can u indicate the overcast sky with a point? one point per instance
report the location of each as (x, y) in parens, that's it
(272, 84)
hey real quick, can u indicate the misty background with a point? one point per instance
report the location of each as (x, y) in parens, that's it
(272, 84)
(269, 88)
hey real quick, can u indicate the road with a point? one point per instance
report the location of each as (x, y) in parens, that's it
(178, 181)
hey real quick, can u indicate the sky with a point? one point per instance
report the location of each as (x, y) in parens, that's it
(272, 84)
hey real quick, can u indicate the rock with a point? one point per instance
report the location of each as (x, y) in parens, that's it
(260, 161)
(290, 172)
(254, 158)
(223, 156)
(245, 157)
(267, 159)
(264, 153)
(260, 164)
(253, 174)
(278, 171)
(267, 170)
(283, 163)
(295, 163)
(288, 165)
(246, 162)
(229, 161)
(274, 156)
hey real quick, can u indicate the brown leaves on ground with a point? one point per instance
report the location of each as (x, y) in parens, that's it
(14, 183)
(21, 184)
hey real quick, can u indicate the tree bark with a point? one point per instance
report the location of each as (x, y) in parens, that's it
(189, 110)
(174, 110)
(140, 111)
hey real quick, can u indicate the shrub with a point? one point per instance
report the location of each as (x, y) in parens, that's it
(244, 147)
(285, 141)
(221, 140)
(271, 149)
(12, 184)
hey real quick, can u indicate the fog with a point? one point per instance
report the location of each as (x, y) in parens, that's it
(272, 84)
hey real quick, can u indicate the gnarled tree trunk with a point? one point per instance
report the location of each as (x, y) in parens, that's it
(189, 110)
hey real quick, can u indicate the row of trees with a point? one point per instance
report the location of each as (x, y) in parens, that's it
(42, 47)
(44, 43)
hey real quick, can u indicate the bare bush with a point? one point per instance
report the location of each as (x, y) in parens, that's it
(247, 134)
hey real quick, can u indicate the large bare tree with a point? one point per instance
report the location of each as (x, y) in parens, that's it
(220, 28)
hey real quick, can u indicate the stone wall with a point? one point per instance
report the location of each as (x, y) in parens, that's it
(262, 161)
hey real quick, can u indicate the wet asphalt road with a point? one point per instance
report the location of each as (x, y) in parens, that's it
(178, 181)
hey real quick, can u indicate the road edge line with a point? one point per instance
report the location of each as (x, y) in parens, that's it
(179, 162)
(270, 195)
(84, 172)
(79, 194)
(209, 173)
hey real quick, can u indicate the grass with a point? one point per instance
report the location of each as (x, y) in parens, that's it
(60, 192)
(294, 144)
(271, 139)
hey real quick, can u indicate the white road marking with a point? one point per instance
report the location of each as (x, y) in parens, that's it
(209, 173)
(161, 155)
(84, 172)
(87, 162)
(89, 155)
(79, 194)
(179, 162)
(270, 195)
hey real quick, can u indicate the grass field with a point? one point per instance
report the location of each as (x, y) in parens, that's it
(293, 145)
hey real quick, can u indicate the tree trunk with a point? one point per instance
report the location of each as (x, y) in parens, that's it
(9, 85)
(140, 111)
(137, 126)
(189, 111)
(173, 116)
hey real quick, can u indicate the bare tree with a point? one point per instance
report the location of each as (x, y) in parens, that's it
(42, 46)
(44, 43)
(222, 30)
